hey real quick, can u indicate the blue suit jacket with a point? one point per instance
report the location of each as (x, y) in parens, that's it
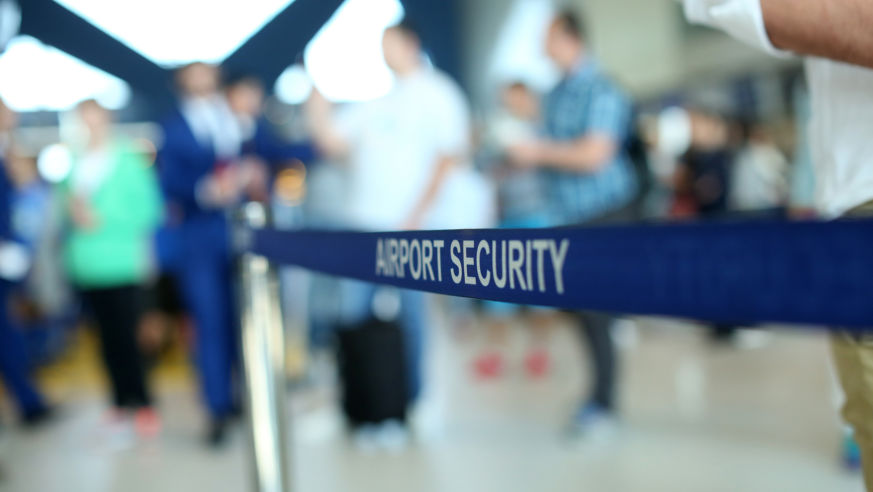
(200, 233)
(182, 163)
(274, 150)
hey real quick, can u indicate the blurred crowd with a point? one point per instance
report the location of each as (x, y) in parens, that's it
(139, 242)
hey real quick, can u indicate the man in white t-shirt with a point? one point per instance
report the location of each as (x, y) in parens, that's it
(403, 150)
(838, 41)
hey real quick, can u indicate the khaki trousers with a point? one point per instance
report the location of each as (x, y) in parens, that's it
(853, 357)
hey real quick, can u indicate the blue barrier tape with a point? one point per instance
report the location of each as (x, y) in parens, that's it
(761, 271)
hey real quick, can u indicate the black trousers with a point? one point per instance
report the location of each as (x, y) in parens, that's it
(596, 328)
(116, 312)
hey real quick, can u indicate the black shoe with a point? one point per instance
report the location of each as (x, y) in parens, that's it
(236, 412)
(39, 417)
(723, 335)
(216, 435)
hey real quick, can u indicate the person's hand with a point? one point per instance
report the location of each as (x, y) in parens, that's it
(82, 213)
(524, 155)
(220, 188)
(227, 184)
(254, 178)
(316, 99)
(802, 213)
(412, 223)
(317, 108)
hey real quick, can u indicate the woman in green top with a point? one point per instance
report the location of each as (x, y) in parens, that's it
(114, 206)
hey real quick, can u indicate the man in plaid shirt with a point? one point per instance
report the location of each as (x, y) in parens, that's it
(588, 177)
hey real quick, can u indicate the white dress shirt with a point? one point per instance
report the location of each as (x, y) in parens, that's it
(213, 125)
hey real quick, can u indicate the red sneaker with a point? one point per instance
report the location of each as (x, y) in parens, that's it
(147, 423)
(537, 363)
(488, 365)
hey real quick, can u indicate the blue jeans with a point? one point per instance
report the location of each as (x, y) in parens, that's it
(356, 307)
(14, 367)
(529, 221)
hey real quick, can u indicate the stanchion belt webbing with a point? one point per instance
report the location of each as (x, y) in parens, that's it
(743, 272)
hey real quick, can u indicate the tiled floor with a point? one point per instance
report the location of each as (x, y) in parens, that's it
(695, 418)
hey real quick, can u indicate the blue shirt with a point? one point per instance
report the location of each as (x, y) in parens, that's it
(583, 103)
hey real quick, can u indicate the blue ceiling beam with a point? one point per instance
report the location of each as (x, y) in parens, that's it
(281, 42)
(266, 54)
(439, 24)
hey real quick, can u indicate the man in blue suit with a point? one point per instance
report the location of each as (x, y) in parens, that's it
(14, 366)
(211, 160)
(201, 176)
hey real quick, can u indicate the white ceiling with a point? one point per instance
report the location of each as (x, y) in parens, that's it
(176, 32)
(39, 77)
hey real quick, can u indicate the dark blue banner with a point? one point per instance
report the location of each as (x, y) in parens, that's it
(762, 271)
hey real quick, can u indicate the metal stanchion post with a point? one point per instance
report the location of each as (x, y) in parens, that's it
(263, 354)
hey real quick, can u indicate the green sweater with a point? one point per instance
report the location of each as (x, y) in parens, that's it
(127, 207)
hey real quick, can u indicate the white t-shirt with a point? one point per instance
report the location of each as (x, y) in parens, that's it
(395, 144)
(841, 125)
(841, 100)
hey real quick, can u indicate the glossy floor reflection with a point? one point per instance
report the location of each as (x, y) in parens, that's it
(695, 418)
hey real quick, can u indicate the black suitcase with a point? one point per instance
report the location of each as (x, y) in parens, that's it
(372, 370)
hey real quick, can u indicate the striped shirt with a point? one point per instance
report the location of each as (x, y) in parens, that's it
(588, 102)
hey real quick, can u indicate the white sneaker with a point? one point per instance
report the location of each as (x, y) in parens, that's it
(594, 425)
(392, 436)
(116, 432)
(364, 439)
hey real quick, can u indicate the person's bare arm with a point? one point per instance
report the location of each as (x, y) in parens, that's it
(584, 155)
(425, 202)
(836, 29)
(319, 117)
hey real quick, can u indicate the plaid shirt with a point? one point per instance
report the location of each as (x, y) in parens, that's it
(587, 102)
